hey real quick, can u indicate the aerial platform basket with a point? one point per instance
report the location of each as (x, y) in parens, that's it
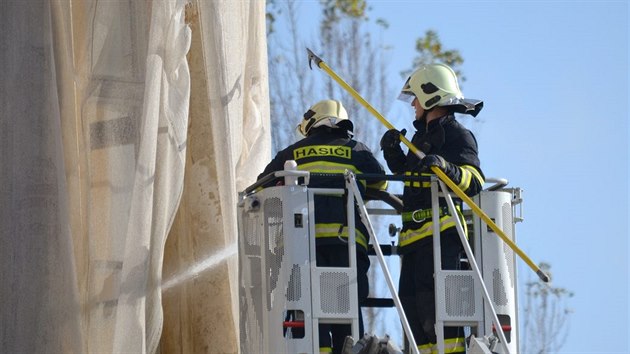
(283, 295)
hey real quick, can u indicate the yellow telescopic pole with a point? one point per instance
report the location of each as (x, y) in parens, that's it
(441, 175)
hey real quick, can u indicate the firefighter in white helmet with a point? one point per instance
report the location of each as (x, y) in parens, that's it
(434, 93)
(328, 147)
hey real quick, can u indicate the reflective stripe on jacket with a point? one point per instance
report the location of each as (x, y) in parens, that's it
(457, 145)
(332, 151)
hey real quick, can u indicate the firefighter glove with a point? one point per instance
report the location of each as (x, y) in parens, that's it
(391, 139)
(449, 169)
(392, 152)
(434, 160)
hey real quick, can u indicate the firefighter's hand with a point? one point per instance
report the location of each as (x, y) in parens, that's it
(451, 170)
(391, 139)
(434, 160)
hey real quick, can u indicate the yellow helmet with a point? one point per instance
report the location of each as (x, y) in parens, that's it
(329, 113)
(436, 85)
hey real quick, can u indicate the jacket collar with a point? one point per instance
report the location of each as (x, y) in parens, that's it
(421, 125)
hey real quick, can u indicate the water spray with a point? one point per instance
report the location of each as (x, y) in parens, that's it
(207, 264)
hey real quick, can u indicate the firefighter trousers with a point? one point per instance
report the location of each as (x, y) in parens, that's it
(417, 291)
(332, 336)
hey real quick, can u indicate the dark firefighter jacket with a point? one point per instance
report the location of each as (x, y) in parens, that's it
(457, 145)
(328, 150)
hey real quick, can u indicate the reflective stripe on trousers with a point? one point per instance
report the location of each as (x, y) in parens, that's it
(333, 230)
(451, 345)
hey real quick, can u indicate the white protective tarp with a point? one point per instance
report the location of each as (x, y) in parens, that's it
(108, 145)
(229, 145)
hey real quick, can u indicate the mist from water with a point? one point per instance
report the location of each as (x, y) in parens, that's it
(200, 267)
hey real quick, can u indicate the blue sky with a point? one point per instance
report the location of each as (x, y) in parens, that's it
(554, 79)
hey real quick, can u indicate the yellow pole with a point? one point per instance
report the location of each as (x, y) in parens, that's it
(441, 175)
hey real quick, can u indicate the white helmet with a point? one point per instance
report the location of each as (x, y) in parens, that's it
(328, 113)
(436, 85)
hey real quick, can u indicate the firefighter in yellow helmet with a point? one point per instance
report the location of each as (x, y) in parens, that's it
(328, 147)
(434, 93)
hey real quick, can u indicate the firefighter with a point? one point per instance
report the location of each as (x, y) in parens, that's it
(434, 93)
(328, 147)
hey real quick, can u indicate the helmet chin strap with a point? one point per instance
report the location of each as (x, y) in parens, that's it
(426, 113)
